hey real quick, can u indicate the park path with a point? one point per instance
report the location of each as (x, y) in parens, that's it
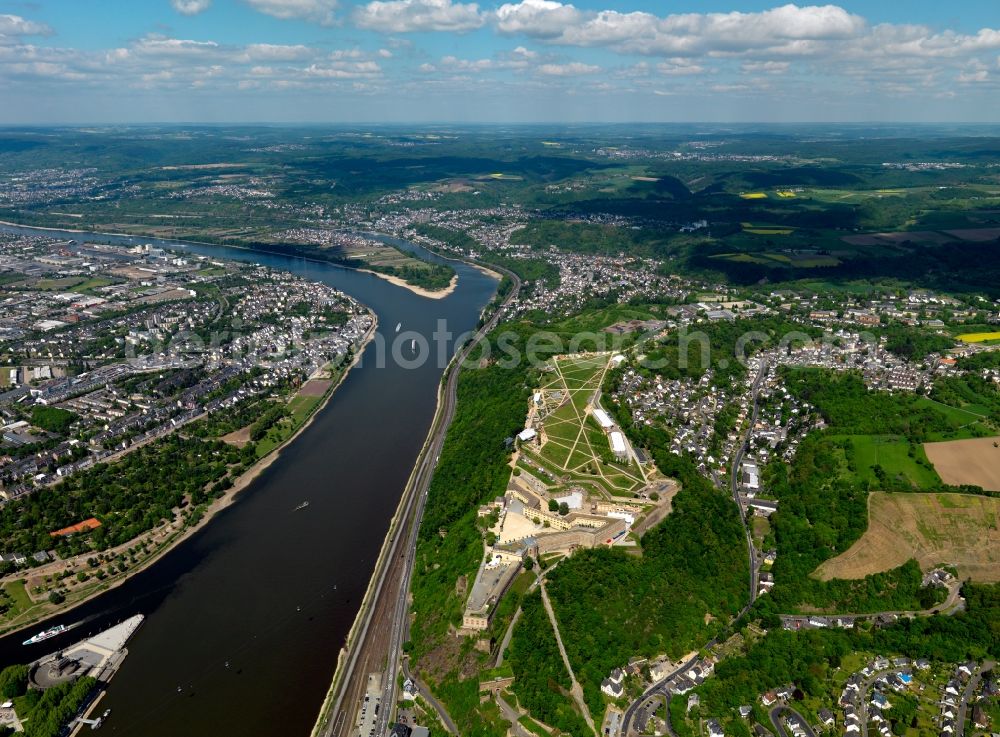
(576, 690)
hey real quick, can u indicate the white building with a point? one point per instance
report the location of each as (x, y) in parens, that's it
(618, 446)
(526, 436)
(603, 419)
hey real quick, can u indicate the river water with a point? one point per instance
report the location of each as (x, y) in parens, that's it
(246, 617)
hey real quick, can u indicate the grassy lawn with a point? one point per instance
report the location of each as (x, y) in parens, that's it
(91, 285)
(959, 416)
(55, 285)
(19, 596)
(892, 453)
(575, 446)
(302, 407)
(299, 408)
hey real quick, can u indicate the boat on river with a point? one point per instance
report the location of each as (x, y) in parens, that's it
(48, 634)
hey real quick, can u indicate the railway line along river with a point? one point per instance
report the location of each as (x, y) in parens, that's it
(245, 619)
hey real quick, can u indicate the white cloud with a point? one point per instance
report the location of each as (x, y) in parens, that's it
(537, 18)
(572, 69)
(316, 11)
(679, 68)
(406, 16)
(190, 7)
(724, 88)
(344, 70)
(980, 75)
(679, 34)
(154, 45)
(911, 40)
(15, 25)
(275, 52)
(452, 63)
(765, 67)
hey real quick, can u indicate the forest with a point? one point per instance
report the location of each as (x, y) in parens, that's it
(43, 713)
(691, 578)
(970, 392)
(542, 683)
(129, 497)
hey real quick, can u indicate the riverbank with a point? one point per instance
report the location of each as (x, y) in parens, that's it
(395, 280)
(47, 610)
(421, 291)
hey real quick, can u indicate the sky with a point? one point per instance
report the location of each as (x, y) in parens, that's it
(351, 61)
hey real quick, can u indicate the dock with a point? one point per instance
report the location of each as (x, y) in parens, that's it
(99, 656)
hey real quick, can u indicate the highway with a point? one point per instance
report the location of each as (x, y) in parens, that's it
(375, 643)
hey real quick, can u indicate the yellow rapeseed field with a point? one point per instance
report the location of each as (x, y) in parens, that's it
(979, 337)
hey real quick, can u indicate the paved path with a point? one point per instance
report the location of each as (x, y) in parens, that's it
(576, 690)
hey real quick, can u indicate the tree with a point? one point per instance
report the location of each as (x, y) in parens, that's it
(56, 598)
(528, 562)
(553, 505)
(563, 509)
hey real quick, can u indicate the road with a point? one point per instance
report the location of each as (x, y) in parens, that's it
(426, 695)
(511, 714)
(775, 715)
(864, 693)
(660, 688)
(734, 483)
(970, 689)
(952, 604)
(375, 643)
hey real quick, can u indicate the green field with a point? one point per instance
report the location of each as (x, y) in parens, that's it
(897, 458)
(958, 416)
(18, 595)
(575, 448)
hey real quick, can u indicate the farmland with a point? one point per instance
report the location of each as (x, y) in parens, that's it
(935, 529)
(979, 337)
(975, 461)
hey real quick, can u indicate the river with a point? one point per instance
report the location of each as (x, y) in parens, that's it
(245, 619)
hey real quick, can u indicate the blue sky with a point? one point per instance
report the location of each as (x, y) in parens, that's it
(89, 61)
